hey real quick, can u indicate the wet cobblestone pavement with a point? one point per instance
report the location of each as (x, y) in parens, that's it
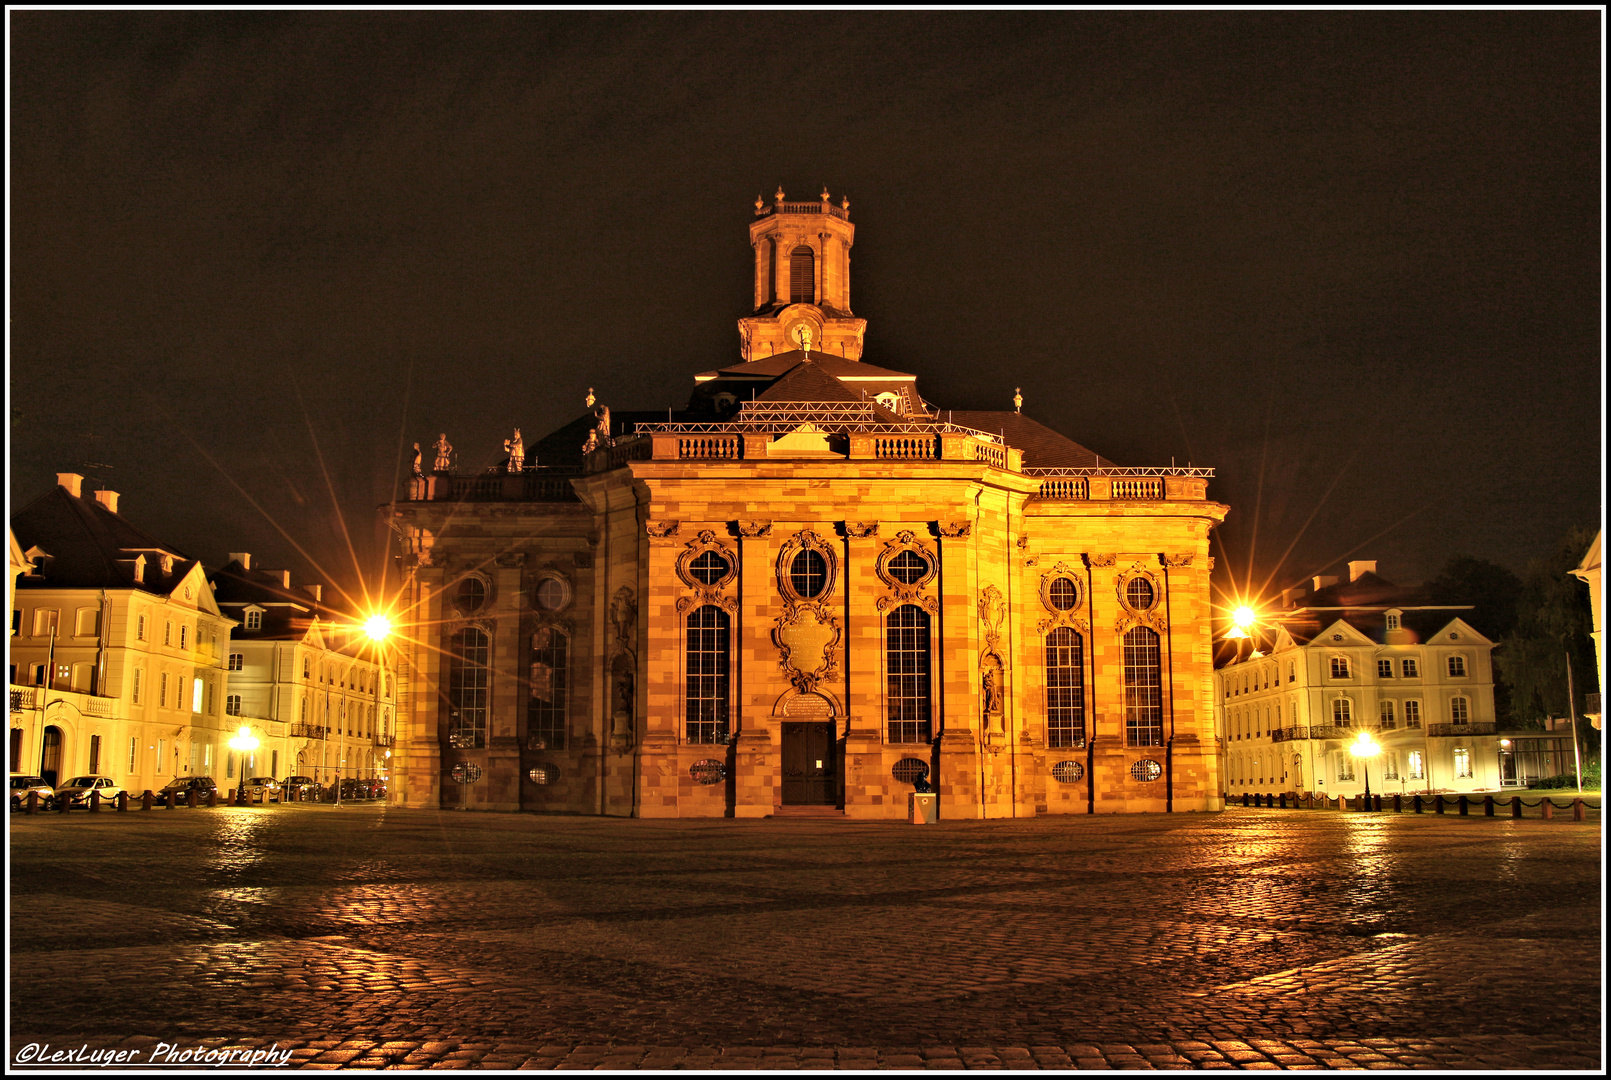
(369, 937)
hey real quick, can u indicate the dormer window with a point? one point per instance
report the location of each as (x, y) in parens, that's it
(254, 619)
(1393, 620)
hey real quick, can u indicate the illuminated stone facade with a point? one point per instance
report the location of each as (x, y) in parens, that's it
(805, 591)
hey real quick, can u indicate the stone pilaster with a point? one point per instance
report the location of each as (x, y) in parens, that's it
(955, 673)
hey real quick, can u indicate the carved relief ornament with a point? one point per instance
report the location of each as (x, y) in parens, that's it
(661, 530)
(1072, 616)
(907, 592)
(1130, 615)
(954, 529)
(706, 592)
(755, 528)
(1175, 562)
(861, 529)
(1100, 560)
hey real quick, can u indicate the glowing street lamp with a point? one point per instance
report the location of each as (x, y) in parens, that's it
(378, 627)
(243, 743)
(1243, 620)
(1364, 748)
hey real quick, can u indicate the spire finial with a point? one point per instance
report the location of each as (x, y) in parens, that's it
(1018, 399)
(590, 398)
(760, 205)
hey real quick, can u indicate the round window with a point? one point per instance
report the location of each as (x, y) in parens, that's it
(709, 568)
(1146, 770)
(707, 772)
(544, 774)
(552, 594)
(1068, 772)
(1064, 594)
(470, 595)
(908, 567)
(909, 770)
(1138, 594)
(808, 574)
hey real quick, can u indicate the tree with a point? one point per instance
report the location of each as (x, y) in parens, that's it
(1494, 590)
(1553, 621)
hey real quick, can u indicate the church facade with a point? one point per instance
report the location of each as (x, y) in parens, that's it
(809, 591)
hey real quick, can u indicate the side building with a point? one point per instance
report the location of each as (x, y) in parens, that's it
(317, 694)
(804, 592)
(117, 648)
(1361, 655)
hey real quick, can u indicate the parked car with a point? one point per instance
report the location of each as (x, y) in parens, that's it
(299, 787)
(179, 789)
(77, 790)
(354, 788)
(265, 787)
(23, 783)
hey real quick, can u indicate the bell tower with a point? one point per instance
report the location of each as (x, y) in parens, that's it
(802, 280)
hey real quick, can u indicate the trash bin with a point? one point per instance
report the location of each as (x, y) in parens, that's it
(923, 807)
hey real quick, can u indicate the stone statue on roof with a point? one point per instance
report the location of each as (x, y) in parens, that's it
(444, 454)
(1018, 399)
(516, 449)
(417, 455)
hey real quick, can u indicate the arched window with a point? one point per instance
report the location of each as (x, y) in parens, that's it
(1143, 688)
(907, 648)
(707, 675)
(1342, 712)
(545, 710)
(1065, 688)
(802, 276)
(467, 689)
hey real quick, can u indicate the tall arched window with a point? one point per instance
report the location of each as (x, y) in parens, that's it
(802, 276)
(907, 647)
(707, 675)
(1065, 688)
(1143, 688)
(545, 710)
(467, 688)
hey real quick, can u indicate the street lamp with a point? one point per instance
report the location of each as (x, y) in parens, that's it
(1364, 748)
(378, 628)
(243, 743)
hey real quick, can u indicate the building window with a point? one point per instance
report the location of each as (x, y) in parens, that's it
(139, 680)
(552, 594)
(1417, 765)
(254, 620)
(184, 636)
(134, 752)
(1458, 712)
(467, 689)
(167, 632)
(1412, 670)
(1139, 595)
(195, 695)
(162, 691)
(1339, 667)
(808, 574)
(470, 595)
(1457, 667)
(1390, 766)
(1462, 764)
(907, 632)
(236, 661)
(1412, 714)
(1065, 688)
(1143, 687)
(95, 754)
(232, 705)
(1063, 594)
(210, 687)
(1292, 671)
(1384, 669)
(706, 683)
(45, 621)
(545, 709)
(709, 568)
(139, 628)
(1345, 766)
(1392, 620)
(1389, 722)
(802, 276)
(88, 624)
(307, 667)
(1342, 712)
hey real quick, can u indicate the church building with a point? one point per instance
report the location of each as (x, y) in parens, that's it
(809, 590)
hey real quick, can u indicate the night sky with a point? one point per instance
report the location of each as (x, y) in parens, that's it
(1350, 260)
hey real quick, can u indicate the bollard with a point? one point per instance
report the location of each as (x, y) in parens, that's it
(33, 802)
(1464, 805)
(1547, 807)
(1416, 803)
(122, 802)
(1378, 803)
(192, 800)
(95, 801)
(1577, 809)
(172, 800)
(62, 804)
(1437, 804)
(212, 797)
(1515, 806)
(1281, 801)
(145, 799)
(1244, 798)
(1487, 806)
(1398, 804)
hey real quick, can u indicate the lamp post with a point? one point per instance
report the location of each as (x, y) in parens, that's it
(1364, 748)
(378, 628)
(243, 743)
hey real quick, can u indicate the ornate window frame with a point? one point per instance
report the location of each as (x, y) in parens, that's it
(792, 630)
(1075, 616)
(1130, 616)
(805, 540)
(549, 573)
(489, 594)
(715, 592)
(897, 591)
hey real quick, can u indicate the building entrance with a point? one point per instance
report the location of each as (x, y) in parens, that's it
(50, 756)
(810, 769)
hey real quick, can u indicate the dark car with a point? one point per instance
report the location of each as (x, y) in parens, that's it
(300, 788)
(354, 788)
(180, 787)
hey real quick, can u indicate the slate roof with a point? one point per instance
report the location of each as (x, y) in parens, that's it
(1043, 448)
(837, 366)
(85, 542)
(808, 382)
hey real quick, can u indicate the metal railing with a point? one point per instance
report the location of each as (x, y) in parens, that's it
(1437, 731)
(1289, 734)
(309, 731)
(1115, 470)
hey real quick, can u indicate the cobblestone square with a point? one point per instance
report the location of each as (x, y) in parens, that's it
(372, 937)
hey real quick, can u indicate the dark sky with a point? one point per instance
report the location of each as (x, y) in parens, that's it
(1350, 260)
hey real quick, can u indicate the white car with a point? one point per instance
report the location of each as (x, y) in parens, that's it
(77, 790)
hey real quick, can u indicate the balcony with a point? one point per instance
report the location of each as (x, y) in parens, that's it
(309, 731)
(25, 698)
(1446, 731)
(1290, 734)
(385, 740)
